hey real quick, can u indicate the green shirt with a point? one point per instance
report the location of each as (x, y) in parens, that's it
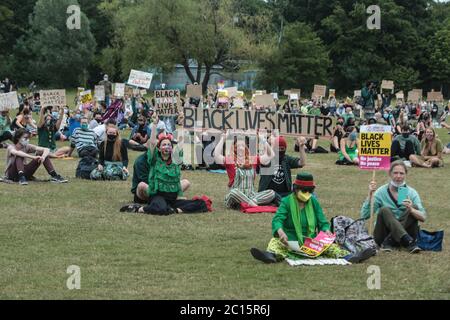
(283, 219)
(402, 140)
(4, 124)
(163, 177)
(46, 137)
(383, 199)
(140, 172)
(439, 148)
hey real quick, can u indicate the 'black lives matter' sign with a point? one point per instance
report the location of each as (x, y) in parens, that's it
(167, 102)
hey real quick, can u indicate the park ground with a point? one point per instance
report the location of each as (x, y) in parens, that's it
(45, 228)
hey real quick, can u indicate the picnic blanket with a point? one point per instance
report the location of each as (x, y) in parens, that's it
(245, 208)
(217, 171)
(317, 262)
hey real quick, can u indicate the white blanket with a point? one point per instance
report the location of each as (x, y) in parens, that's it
(317, 262)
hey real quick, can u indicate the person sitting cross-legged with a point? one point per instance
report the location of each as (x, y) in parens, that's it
(300, 216)
(18, 170)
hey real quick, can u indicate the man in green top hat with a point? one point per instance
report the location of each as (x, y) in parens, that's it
(300, 216)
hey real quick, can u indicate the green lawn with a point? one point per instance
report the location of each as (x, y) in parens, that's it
(44, 228)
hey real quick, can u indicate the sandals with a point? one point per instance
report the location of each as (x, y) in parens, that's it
(131, 208)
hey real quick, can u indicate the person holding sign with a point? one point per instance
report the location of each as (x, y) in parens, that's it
(241, 169)
(431, 151)
(300, 216)
(19, 171)
(398, 211)
(48, 127)
(164, 180)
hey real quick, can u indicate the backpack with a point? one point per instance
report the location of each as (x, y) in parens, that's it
(85, 167)
(352, 234)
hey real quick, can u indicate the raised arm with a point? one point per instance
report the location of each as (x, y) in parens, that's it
(153, 141)
(60, 119)
(218, 151)
(41, 118)
(268, 155)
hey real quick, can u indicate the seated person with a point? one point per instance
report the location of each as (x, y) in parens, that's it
(405, 145)
(348, 155)
(19, 171)
(84, 140)
(338, 134)
(300, 216)
(113, 157)
(5, 133)
(141, 132)
(164, 179)
(241, 169)
(431, 151)
(396, 224)
(280, 179)
(48, 125)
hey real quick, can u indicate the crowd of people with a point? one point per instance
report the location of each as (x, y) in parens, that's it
(95, 130)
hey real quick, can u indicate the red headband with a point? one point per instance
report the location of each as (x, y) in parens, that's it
(302, 183)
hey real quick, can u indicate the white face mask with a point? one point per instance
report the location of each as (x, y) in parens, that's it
(24, 142)
(395, 185)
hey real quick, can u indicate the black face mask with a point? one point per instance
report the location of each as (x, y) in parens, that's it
(282, 154)
(112, 137)
(340, 123)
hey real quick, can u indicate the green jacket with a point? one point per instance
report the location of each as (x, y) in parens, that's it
(287, 164)
(283, 219)
(140, 172)
(411, 138)
(368, 97)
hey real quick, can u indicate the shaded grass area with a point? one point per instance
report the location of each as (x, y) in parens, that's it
(44, 228)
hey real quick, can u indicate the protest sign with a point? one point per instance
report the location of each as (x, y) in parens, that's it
(274, 95)
(194, 91)
(264, 101)
(415, 95)
(375, 147)
(100, 93)
(143, 92)
(435, 96)
(53, 98)
(140, 79)
(319, 91)
(232, 92)
(387, 84)
(119, 90)
(167, 102)
(287, 93)
(293, 96)
(212, 89)
(357, 93)
(313, 248)
(332, 93)
(9, 101)
(288, 124)
(86, 96)
(400, 95)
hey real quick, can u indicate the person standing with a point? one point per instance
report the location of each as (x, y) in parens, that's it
(108, 89)
(369, 94)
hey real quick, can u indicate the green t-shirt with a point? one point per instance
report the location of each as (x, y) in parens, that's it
(439, 148)
(46, 137)
(3, 124)
(163, 177)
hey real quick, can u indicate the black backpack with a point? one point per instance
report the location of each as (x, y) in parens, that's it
(85, 167)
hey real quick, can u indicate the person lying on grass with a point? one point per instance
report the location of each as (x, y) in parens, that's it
(241, 169)
(300, 216)
(164, 179)
(398, 210)
(18, 170)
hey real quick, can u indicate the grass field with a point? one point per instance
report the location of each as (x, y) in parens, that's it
(44, 228)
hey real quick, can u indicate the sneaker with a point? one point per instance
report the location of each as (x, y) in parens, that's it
(360, 256)
(264, 256)
(387, 245)
(23, 181)
(413, 248)
(58, 179)
(408, 164)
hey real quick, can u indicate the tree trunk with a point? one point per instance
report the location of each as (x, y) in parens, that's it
(188, 70)
(206, 79)
(199, 72)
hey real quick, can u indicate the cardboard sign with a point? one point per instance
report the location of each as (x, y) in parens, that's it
(212, 89)
(9, 101)
(357, 93)
(319, 91)
(232, 92)
(86, 96)
(414, 96)
(264, 101)
(387, 84)
(332, 93)
(400, 95)
(375, 147)
(140, 79)
(274, 95)
(313, 248)
(53, 98)
(288, 124)
(194, 91)
(119, 90)
(167, 102)
(238, 102)
(419, 91)
(100, 93)
(435, 96)
(287, 93)
(293, 96)
(143, 92)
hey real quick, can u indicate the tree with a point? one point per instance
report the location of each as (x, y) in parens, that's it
(439, 55)
(162, 34)
(300, 61)
(56, 55)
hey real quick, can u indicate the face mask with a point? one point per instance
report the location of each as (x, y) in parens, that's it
(24, 142)
(166, 149)
(340, 123)
(112, 137)
(84, 126)
(303, 196)
(396, 186)
(353, 136)
(78, 116)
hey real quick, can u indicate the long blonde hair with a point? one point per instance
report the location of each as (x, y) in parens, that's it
(117, 155)
(430, 146)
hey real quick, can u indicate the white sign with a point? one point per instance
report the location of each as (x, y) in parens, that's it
(100, 93)
(119, 90)
(293, 96)
(53, 98)
(140, 79)
(274, 95)
(9, 101)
